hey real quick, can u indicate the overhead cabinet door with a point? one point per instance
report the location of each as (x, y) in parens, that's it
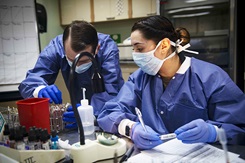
(105, 10)
(75, 10)
(143, 8)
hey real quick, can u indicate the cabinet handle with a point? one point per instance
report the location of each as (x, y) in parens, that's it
(150, 14)
(110, 18)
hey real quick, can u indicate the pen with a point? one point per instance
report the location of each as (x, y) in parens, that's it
(127, 154)
(168, 136)
(140, 118)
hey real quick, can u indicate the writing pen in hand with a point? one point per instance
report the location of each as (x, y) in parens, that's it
(140, 118)
(127, 154)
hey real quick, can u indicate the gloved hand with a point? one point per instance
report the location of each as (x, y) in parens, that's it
(197, 131)
(142, 139)
(69, 118)
(52, 92)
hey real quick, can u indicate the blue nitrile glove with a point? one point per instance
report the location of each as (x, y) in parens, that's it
(52, 92)
(197, 131)
(69, 118)
(143, 139)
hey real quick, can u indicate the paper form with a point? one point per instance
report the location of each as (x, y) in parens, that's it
(174, 151)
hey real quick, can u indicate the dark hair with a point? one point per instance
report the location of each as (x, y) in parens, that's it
(183, 34)
(159, 27)
(82, 34)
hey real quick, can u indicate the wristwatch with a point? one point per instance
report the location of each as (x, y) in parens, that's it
(125, 126)
(128, 128)
(127, 131)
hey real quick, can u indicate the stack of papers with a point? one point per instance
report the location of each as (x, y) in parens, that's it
(176, 151)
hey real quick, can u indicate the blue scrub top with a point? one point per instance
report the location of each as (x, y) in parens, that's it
(198, 90)
(52, 60)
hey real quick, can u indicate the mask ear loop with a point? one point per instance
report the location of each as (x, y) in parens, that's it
(180, 48)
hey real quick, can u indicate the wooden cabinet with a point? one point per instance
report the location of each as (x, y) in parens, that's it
(83, 10)
(105, 10)
(74, 10)
(143, 8)
(67, 11)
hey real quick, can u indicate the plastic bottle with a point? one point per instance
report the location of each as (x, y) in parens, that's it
(86, 113)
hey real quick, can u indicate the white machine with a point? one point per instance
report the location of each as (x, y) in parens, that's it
(101, 149)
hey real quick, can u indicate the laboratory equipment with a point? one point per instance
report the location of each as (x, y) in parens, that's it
(94, 151)
(81, 151)
(56, 114)
(86, 112)
(10, 116)
(168, 136)
(54, 140)
(107, 139)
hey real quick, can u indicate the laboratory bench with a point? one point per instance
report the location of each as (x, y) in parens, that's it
(73, 136)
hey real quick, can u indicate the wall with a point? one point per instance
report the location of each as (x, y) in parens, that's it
(53, 21)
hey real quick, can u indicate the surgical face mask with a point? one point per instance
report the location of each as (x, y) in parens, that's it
(82, 68)
(148, 62)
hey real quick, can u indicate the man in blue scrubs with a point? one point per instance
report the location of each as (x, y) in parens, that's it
(79, 36)
(175, 93)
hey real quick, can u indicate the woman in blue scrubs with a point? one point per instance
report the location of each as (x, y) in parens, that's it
(175, 93)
